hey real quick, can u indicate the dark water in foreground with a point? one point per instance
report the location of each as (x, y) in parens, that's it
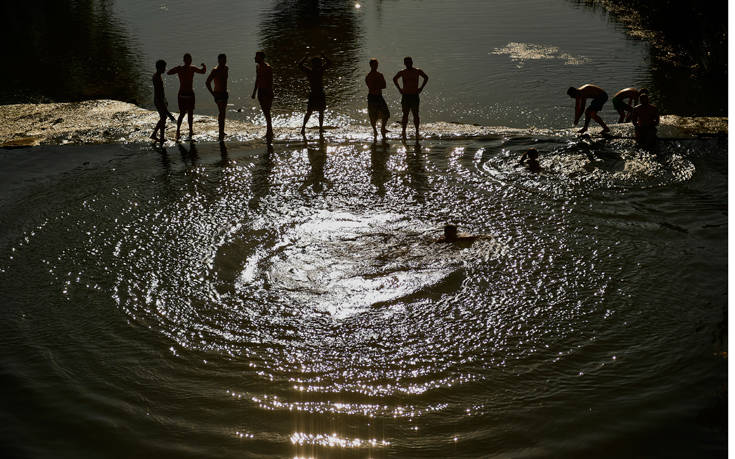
(246, 303)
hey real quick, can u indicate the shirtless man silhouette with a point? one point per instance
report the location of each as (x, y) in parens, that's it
(159, 100)
(219, 76)
(186, 92)
(377, 107)
(317, 98)
(624, 109)
(580, 95)
(264, 88)
(410, 92)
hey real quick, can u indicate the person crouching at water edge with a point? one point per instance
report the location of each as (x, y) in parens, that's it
(410, 92)
(645, 119)
(186, 92)
(264, 88)
(317, 98)
(625, 109)
(580, 95)
(159, 100)
(219, 76)
(377, 107)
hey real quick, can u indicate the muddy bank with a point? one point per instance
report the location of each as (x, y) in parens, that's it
(109, 121)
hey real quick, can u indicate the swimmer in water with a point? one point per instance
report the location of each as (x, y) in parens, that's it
(532, 156)
(464, 240)
(580, 95)
(219, 76)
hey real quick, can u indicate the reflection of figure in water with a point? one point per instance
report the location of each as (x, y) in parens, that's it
(191, 154)
(532, 156)
(377, 107)
(159, 100)
(317, 161)
(624, 108)
(186, 92)
(264, 88)
(378, 157)
(317, 98)
(219, 75)
(410, 92)
(581, 94)
(462, 239)
(645, 119)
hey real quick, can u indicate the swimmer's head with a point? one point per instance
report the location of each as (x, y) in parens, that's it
(187, 59)
(260, 56)
(450, 232)
(408, 62)
(160, 65)
(532, 153)
(643, 91)
(373, 64)
(644, 98)
(221, 59)
(572, 92)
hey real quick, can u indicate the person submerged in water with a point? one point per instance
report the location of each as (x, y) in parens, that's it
(580, 95)
(219, 76)
(377, 107)
(186, 92)
(317, 97)
(159, 100)
(645, 119)
(452, 236)
(264, 89)
(623, 108)
(410, 92)
(530, 160)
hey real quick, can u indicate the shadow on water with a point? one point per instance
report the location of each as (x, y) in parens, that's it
(688, 50)
(416, 165)
(70, 51)
(379, 154)
(295, 28)
(317, 160)
(260, 186)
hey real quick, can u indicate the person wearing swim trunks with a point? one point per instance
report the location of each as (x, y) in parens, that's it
(410, 92)
(581, 94)
(317, 97)
(219, 76)
(264, 89)
(645, 119)
(159, 100)
(186, 92)
(377, 107)
(625, 108)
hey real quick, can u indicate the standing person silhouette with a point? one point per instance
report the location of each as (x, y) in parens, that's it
(410, 92)
(377, 107)
(159, 100)
(317, 98)
(580, 96)
(264, 88)
(186, 92)
(219, 75)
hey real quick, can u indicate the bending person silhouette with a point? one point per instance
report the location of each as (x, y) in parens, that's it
(159, 100)
(377, 107)
(580, 95)
(219, 75)
(317, 98)
(410, 92)
(264, 88)
(186, 92)
(625, 109)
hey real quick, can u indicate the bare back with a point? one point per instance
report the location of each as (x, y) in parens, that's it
(590, 91)
(219, 77)
(410, 80)
(264, 76)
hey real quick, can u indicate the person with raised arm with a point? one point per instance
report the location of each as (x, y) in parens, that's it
(186, 92)
(410, 92)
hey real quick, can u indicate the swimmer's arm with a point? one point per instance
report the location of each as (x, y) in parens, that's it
(425, 77)
(173, 71)
(395, 81)
(200, 70)
(382, 82)
(523, 157)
